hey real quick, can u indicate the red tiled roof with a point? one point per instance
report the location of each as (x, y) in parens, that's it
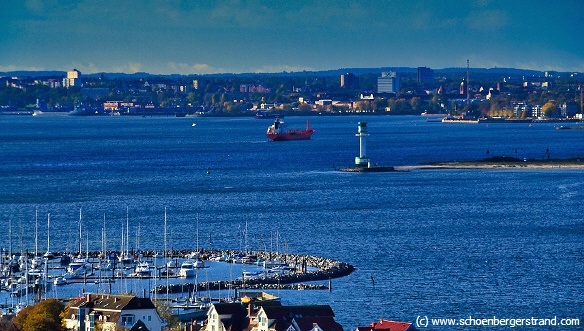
(385, 325)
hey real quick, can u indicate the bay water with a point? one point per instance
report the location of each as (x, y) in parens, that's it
(426, 243)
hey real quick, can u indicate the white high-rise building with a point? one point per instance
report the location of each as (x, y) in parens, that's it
(388, 82)
(73, 79)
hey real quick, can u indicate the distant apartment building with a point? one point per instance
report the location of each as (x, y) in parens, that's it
(111, 105)
(388, 82)
(247, 88)
(524, 110)
(425, 75)
(73, 79)
(349, 80)
(569, 109)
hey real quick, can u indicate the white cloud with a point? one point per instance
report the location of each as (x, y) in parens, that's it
(12, 67)
(282, 68)
(196, 68)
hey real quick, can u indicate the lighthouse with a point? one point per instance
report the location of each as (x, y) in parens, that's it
(362, 161)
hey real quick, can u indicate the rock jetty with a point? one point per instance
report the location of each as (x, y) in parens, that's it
(327, 269)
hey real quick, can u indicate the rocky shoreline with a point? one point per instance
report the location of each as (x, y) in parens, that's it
(327, 269)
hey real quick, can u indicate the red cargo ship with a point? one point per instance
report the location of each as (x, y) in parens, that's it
(277, 132)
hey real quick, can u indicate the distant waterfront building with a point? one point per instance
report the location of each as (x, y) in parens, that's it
(73, 79)
(463, 87)
(250, 88)
(349, 80)
(569, 109)
(521, 110)
(388, 82)
(425, 75)
(198, 85)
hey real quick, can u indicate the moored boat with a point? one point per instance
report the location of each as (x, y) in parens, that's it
(60, 280)
(278, 132)
(142, 269)
(187, 269)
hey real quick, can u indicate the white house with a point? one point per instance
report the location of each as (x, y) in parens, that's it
(124, 310)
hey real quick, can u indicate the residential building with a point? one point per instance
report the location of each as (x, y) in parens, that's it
(127, 311)
(425, 75)
(388, 82)
(569, 109)
(296, 318)
(521, 110)
(349, 80)
(227, 317)
(73, 79)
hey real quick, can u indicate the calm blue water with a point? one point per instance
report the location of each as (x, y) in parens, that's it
(438, 243)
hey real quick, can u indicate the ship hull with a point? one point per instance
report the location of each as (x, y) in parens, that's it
(294, 135)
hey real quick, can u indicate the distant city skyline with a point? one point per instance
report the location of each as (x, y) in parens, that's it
(203, 37)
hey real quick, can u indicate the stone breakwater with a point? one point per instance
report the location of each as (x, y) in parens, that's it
(327, 269)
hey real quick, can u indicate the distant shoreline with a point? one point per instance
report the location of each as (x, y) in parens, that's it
(500, 163)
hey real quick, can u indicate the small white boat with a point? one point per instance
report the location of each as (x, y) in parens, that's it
(119, 273)
(79, 265)
(187, 269)
(172, 263)
(126, 259)
(199, 264)
(251, 274)
(60, 280)
(142, 269)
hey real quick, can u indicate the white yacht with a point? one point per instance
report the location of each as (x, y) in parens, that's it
(187, 269)
(142, 269)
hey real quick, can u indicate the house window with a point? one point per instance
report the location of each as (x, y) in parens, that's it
(127, 320)
(149, 318)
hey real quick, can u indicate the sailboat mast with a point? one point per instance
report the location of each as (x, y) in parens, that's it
(10, 238)
(197, 233)
(127, 231)
(104, 239)
(48, 232)
(80, 238)
(36, 233)
(164, 255)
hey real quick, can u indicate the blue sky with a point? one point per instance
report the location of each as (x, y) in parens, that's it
(200, 37)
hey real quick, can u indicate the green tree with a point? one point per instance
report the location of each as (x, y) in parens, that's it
(416, 104)
(549, 109)
(45, 315)
(165, 312)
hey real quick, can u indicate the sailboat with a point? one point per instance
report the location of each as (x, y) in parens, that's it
(48, 255)
(79, 267)
(197, 263)
(125, 257)
(36, 264)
